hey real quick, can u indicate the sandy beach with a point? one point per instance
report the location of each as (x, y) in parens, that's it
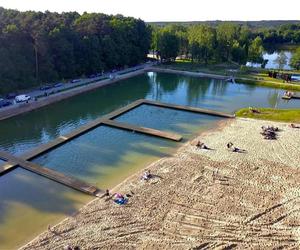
(200, 199)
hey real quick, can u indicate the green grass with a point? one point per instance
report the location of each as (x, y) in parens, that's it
(252, 76)
(271, 84)
(187, 65)
(282, 115)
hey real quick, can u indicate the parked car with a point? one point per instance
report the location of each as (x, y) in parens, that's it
(22, 98)
(46, 87)
(57, 85)
(4, 103)
(11, 95)
(75, 80)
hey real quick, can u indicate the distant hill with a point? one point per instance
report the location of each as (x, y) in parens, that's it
(251, 24)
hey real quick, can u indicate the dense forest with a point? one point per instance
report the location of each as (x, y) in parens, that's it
(227, 41)
(254, 25)
(39, 47)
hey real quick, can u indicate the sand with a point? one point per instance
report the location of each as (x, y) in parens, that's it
(200, 199)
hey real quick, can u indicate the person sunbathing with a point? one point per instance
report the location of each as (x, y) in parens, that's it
(253, 110)
(229, 145)
(238, 150)
(201, 145)
(146, 176)
(294, 126)
(119, 199)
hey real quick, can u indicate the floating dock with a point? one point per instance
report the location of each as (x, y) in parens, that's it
(51, 174)
(143, 130)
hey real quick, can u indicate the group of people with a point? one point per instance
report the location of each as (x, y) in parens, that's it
(229, 145)
(270, 132)
(121, 199)
(284, 76)
(288, 93)
(118, 198)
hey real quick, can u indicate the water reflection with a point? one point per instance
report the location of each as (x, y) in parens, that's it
(273, 60)
(88, 156)
(105, 153)
(30, 130)
(273, 98)
(30, 202)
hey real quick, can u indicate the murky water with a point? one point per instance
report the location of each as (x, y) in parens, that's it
(105, 156)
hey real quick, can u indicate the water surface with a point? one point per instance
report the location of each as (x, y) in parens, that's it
(273, 62)
(105, 156)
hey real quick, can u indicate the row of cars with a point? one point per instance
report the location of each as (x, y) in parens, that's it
(13, 97)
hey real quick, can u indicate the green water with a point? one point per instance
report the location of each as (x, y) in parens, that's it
(105, 156)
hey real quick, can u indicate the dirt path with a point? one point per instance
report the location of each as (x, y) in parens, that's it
(212, 199)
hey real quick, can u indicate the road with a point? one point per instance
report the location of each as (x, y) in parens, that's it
(82, 81)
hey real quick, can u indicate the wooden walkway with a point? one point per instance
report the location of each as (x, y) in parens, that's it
(51, 174)
(79, 131)
(143, 130)
(189, 109)
(24, 160)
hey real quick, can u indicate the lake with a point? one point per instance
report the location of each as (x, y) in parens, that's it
(105, 156)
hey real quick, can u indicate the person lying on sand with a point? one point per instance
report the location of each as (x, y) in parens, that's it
(253, 110)
(229, 145)
(120, 199)
(294, 126)
(238, 150)
(146, 175)
(234, 149)
(201, 145)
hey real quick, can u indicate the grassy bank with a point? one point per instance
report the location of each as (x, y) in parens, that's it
(272, 84)
(187, 65)
(247, 75)
(282, 115)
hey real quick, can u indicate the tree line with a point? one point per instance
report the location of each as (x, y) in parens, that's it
(39, 47)
(225, 42)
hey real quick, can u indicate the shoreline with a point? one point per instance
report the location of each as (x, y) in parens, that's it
(215, 168)
(54, 98)
(45, 101)
(218, 126)
(42, 102)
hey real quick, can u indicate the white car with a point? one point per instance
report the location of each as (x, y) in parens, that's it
(22, 98)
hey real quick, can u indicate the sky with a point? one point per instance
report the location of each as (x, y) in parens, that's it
(171, 10)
